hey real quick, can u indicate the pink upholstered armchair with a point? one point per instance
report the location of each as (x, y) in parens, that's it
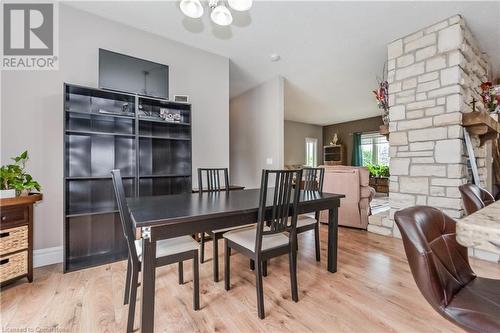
(353, 183)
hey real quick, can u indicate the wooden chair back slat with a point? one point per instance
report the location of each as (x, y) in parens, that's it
(284, 197)
(212, 176)
(126, 220)
(313, 179)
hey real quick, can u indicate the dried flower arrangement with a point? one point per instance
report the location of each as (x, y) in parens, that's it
(491, 99)
(382, 95)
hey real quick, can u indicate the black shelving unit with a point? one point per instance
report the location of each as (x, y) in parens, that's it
(105, 130)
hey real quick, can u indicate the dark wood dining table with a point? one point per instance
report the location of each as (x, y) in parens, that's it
(168, 216)
(231, 188)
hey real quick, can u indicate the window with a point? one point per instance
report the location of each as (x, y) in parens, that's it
(375, 149)
(311, 152)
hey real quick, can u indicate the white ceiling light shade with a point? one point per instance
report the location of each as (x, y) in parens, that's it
(240, 5)
(192, 8)
(221, 15)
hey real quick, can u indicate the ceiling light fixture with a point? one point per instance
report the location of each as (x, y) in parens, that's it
(191, 8)
(220, 14)
(240, 5)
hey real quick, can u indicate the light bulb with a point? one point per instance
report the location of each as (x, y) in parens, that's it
(221, 15)
(240, 5)
(192, 8)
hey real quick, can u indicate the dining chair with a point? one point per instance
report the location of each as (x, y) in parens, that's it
(474, 198)
(312, 181)
(217, 180)
(168, 251)
(441, 270)
(268, 239)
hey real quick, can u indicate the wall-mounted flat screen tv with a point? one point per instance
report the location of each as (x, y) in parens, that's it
(129, 74)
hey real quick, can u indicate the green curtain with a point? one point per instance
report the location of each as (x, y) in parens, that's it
(357, 157)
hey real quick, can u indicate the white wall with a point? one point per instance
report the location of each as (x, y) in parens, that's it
(32, 103)
(295, 142)
(256, 132)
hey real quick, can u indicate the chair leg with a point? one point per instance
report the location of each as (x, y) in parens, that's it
(227, 265)
(216, 258)
(181, 272)
(293, 274)
(260, 291)
(127, 283)
(252, 264)
(133, 299)
(202, 247)
(264, 268)
(196, 282)
(316, 241)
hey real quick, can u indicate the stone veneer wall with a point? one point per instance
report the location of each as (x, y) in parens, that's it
(433, 75)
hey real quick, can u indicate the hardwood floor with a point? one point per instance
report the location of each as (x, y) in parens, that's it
(373, 291)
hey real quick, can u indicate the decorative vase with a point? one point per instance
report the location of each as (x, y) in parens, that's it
(4, 194)
(25, 193)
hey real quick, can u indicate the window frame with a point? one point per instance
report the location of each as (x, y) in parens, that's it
(314, 143)
(374, 137)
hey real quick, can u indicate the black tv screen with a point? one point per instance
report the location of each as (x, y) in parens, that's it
(129, 74)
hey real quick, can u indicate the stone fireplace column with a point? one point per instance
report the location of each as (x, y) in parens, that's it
(433, 75)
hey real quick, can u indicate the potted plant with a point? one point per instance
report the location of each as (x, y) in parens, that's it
(384, 171)
(379, 174)
(14, 180)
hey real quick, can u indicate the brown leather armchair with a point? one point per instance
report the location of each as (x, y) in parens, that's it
(440, 267)
(474, 198)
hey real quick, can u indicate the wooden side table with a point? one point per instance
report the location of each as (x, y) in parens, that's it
(380, 184)
(16, 238)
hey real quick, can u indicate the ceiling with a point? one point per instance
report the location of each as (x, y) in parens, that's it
(331, 52)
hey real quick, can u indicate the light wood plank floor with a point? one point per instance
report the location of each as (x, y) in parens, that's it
(373, 291)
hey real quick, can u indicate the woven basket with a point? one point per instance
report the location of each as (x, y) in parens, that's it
(13, 239)
(13, 265)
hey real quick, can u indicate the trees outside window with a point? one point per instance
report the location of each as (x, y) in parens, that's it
(374, 149)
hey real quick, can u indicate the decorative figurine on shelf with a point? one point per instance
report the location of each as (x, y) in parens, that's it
(125, 108)
(335, 139)
(491, 99)
(164, 114)
(173, 116)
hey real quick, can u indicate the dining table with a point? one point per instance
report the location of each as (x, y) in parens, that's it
(481, 230)
(169, 216)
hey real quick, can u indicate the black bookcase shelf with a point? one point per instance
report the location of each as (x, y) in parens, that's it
(106, 130)
(99, 114)
(96, 177)
(99, 133)
(163, 176)
(93, 213)
(153, 120)
(163, 138)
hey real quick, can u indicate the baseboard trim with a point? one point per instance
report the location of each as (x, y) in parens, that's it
(486, 255)
(47, 256)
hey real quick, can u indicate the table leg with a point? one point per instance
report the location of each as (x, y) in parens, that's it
(215, 256)
(148, 285)
(332, 239)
